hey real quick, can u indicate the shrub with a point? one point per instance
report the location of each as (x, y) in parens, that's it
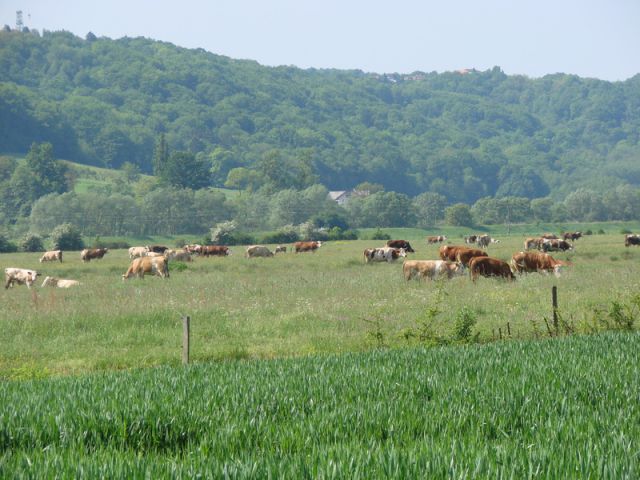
(588, 232)
(465, 320)
(601, 232)
(336, 233)
(31, 243)
(67, 237)
(286, 234)
(380, 235)
(625, 231)
(113, 244)
(6, 246)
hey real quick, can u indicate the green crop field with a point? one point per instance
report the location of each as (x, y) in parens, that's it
(564, 408)
(293, 305)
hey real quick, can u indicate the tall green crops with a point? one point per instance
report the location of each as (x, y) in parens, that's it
(566, 408)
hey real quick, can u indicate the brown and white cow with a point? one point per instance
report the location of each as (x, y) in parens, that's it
(431, 269)
(136, 252)
(572, 236)
(300, 247)
(59, 282)
(525, 262)
(51, 256)
(89, 254)
(153, 265)
(177, 255)
(215, 251)
(464, 255)
(555, 245)
(483, 241)
(193, 249)
(489, 267)
(549, 236)
(20, 276)
(281, 249)
(401, 244)
(258, 251)
(436, 239)
(384, 254)
(631, 239)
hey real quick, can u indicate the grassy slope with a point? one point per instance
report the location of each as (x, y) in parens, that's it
(554, 409)
(290, 305)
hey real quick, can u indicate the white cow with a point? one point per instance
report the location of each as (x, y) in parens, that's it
(21, 276)
(136, 252)
(258, 251)
(51, 256)
(59, 282)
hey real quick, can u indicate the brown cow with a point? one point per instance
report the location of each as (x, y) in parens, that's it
(300, 247)
(430, 269)
(464, 255)
(549, 236)
(154, 265)
(489, 267)
(524, 262)
(572, 236)
(215, 250)
(531, 243)
(449, 252)
(401, 244)
(89, 254)
(436, 239)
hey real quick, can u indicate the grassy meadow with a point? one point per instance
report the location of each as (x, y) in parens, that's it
(292, 305)
(561, 408)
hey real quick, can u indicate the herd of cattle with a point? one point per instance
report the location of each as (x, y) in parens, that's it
(454, 260)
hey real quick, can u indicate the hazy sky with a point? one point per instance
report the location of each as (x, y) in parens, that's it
(590, 38)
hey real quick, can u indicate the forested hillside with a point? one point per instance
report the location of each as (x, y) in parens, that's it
(463, 135)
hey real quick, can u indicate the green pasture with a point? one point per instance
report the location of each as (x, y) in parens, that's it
(292, 305)
(563, 408)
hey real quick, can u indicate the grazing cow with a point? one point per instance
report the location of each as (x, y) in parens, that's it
(489, 267)
(449, 252)
(154, 265)
(384, 254)
(470, 239)
(156, 248)
(89, 254)
(177, 255)
(193, 249)
(281, 249)
(401, 244)
(51, 256)
(436, 239)
(555, 245)
(572, 236)
(533, 243)
(154, 254)
(431, 269)
(21, 276)
(306, 246)
(631, 239)
(464, 255)
(136, 252)
(258, 251)
(549, 236)
(524, 262)
(214, 250)
(483, 241)
(59, 282)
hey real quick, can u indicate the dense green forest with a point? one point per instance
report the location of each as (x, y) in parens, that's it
(465, 136)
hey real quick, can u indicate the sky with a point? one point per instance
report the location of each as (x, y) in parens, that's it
(589, 38)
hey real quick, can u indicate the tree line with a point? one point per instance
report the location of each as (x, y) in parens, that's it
(464, 136)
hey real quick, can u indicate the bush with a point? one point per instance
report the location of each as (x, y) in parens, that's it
(380, 235)
(6, 246)
(588, 232)
(114, 244)
(465, 320)
(336, 233)
(625, 231)
(67, 237)
(601, 232)
(284, 235)
(32, 243)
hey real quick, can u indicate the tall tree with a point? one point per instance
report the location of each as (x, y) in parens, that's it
(160, 156)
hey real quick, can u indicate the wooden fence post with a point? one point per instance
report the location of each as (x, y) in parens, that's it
(186, 331)
(554, 301)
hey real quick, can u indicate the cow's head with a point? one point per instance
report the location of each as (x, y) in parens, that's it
(402, 253)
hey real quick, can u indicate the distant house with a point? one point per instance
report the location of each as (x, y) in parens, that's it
(341, 197)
